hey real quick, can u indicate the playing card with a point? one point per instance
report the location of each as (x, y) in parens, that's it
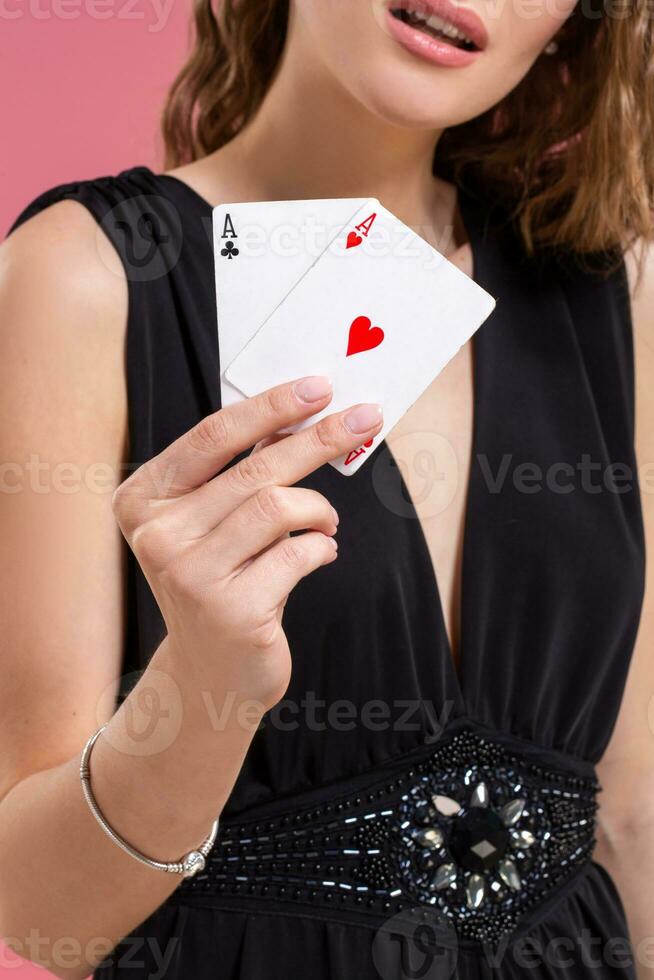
(261, 249)
(381, 313)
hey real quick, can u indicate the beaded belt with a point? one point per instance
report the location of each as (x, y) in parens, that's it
(473, 830)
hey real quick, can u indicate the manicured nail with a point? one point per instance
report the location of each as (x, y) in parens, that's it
(332, 555)
(313, 388)
(335, 516)
(363, 417)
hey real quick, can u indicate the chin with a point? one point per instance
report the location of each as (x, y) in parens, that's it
(408, 104)
(400, 91)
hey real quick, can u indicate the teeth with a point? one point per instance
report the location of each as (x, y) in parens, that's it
(438, 24)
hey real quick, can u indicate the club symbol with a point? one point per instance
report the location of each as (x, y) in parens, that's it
(229, 251)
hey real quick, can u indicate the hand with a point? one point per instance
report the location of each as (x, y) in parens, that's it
(216, 550)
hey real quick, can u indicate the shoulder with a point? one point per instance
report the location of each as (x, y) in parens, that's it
(60, 278)
(64, 235)
(61, 251)
(125, 224)
(67, 246)
(63, 317)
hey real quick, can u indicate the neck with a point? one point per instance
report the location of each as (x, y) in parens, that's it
(312, 139)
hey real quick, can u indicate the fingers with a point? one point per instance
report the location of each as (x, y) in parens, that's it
(269, 440)
(277, 571)
(282, 461)
(205, 449)
(263, 518)
(288, 460)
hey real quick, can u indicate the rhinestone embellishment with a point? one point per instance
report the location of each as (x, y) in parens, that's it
(500, 827)
(472, 832)
(477, 839)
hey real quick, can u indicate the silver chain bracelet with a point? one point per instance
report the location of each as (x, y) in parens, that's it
(188, 866)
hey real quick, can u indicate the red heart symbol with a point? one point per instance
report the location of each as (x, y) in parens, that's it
(353, 240)
(363, 336)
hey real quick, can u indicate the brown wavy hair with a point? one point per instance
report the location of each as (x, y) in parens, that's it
(569, 151)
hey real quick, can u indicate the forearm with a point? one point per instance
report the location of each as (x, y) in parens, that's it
(627, 853)
(161, 773)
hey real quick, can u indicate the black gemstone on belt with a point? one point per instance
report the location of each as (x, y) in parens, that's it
(478, 839)
(472, 833)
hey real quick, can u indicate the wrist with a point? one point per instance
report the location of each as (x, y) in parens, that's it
(166, 763)
(205, 693)
(186, 866)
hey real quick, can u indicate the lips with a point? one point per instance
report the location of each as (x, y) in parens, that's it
(442, 20)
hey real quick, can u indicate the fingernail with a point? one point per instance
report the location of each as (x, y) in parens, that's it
(313, 388)
(335, 515)
(363, 417)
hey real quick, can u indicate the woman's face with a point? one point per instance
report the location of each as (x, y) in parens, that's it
(392, 56)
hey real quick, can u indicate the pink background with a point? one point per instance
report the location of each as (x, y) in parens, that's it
(83, 82)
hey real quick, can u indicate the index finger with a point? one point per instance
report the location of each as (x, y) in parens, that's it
(196, 457)
(286, 461)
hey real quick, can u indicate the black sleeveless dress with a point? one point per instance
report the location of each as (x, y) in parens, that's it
(398, 816)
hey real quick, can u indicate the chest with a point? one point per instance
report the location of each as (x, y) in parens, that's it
(432, 446)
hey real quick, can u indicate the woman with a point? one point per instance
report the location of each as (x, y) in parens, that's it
(405, 765)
